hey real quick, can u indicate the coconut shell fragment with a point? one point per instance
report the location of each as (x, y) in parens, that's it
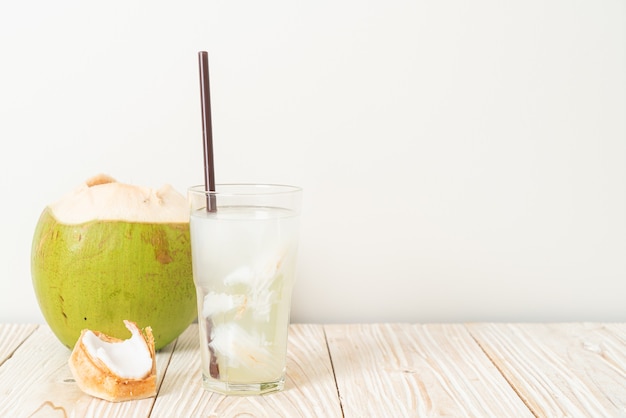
(111, 369)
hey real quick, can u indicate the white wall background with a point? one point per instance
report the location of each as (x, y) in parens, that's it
(461, 160)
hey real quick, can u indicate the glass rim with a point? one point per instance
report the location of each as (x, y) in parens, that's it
(246, 189)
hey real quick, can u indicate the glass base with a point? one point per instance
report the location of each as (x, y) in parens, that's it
(228, 388)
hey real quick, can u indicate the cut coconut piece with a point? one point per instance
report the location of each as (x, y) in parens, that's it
(113, 369)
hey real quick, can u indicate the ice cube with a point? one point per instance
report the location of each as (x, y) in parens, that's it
(221, 302)
(260, 304)
(241, 348)
(259, 280)
(241, 275)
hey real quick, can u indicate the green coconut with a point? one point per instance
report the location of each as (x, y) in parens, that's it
(109, 252)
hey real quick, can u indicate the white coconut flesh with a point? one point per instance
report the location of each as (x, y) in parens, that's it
(129, 359)
(102, 198)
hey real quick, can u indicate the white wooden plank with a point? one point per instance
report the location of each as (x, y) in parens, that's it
(309, 388)
(403, 370)
(36, 382)
(561, 370)
(11, 336)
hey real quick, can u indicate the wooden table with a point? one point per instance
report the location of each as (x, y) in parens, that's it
(356, 370)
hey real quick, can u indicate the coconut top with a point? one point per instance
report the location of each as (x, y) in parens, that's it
(103, 198)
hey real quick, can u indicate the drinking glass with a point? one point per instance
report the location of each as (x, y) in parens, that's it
(244, 240)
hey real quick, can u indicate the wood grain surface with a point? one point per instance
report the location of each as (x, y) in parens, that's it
(355, 370)
(402, 370)
(561, 370)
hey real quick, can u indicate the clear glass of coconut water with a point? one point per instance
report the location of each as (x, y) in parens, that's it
(244, 240)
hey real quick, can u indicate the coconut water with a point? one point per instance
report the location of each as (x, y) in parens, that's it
(243, 267)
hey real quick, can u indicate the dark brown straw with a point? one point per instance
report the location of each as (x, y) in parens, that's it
(207, 131)
(209, 171)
